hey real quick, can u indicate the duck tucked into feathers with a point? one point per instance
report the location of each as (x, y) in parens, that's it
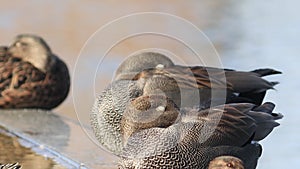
(193, 86)
(199, 86)
(158, 74)
(188, 142)
(111, 103)
(31, 76)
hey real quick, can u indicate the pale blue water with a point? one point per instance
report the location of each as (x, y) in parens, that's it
(268, 36)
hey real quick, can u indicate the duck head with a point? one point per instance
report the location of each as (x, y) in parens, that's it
(136, 63)
(226, 162)
(32, 49)
(146, 112)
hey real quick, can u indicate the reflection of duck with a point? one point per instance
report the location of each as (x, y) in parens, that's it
(162, 76)
(12, 151)
(31, 76)
(197, 136)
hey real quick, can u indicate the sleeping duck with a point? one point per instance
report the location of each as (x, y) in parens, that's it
(190, 86)
(193, 87)
(156, 134)
(31, 76)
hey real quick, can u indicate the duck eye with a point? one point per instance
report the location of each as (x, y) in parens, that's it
(17, 44)
(23, 44)
(20, 44)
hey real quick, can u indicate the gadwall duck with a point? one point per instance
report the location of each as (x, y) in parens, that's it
(179, 83)
(192, 86)
(31, 76)
(195, 137)
(111, 103)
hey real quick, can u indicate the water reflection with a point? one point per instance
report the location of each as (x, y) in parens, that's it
(63, 135)
(12, 151)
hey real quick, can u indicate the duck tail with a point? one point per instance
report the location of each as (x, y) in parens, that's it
(265, 119)
(266, 72)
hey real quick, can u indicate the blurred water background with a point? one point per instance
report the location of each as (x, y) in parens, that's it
(247, 35)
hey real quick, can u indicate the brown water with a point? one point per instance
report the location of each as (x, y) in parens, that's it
(55, 137)
(14, 152)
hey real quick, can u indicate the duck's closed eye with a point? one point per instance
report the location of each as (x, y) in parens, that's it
(20, 44)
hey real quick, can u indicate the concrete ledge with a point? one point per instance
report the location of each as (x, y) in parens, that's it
(57, 137)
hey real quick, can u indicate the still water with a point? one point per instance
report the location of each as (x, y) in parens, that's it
(246, 34)
(269, 37)
(13, 152)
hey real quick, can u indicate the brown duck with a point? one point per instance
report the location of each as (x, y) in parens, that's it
(157, 135)
(31, 76)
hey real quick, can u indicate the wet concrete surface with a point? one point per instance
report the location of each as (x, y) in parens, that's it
(49, 135)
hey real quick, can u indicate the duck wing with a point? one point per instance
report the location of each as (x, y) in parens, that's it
(188, 77)
(182, 82)
(6, 68)
(234, 124)
(220, 125)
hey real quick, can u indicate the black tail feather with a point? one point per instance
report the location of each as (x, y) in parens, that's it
(266, 72)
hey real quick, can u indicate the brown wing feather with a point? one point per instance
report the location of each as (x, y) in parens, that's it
(6, 68)
(17, 76)
(231, 125)
(190, 77)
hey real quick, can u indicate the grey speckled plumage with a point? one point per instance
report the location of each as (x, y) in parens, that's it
(107, 113)
(187, 144)
(31, 76)
(193, 157)
(111, 103)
